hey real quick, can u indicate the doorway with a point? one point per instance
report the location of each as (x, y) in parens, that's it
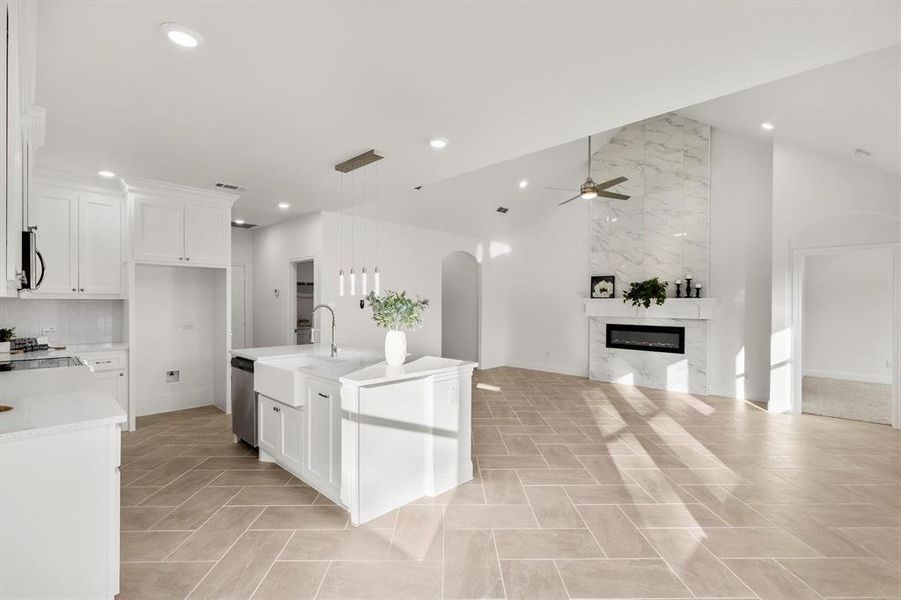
(303, 301)
(847, 334)
(460, 276)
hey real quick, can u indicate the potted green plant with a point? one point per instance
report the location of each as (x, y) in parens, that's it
(6, 336)
(641, 293)
(396, 312)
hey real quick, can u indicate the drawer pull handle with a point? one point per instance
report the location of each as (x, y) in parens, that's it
(321, 395)
(102, 362)
(276, 409)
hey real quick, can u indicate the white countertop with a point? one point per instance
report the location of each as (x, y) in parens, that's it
(49, 401)
(281, 351)
(352, 366)
(70, 350)
(416, 366)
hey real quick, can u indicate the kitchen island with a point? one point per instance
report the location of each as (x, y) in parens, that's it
(59, 485)
(369, 436)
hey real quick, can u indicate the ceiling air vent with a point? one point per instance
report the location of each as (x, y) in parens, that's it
(219, 185)
(243, 225)
(502, 209)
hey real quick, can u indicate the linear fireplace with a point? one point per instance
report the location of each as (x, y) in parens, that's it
(647, 338)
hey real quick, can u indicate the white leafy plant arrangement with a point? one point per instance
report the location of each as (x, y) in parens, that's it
(396, 311)
(603, 289)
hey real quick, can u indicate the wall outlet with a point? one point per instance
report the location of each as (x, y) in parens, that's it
(187, 326)
(173, 376)
(48, 330)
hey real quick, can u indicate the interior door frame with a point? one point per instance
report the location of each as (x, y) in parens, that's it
(291, 313)
(799, 259)
(247, 344)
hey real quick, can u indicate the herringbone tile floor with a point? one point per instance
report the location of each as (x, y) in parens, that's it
(582, 490)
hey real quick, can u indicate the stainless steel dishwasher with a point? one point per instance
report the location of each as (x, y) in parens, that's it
(244, 401)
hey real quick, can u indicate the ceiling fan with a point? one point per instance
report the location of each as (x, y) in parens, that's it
(590, 190)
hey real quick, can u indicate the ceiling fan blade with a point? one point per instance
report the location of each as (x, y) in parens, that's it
(611, 183)
(570, 200)
(562, 189)
(613, 195)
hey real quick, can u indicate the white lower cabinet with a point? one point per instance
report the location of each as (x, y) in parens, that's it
(59, 523)
(270, 427)
(322, 466)
(111, 370)
(281, 433)
(305, 440)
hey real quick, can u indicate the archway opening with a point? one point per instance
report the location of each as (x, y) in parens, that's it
(460, 306)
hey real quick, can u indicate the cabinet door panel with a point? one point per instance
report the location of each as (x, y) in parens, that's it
(159, 230)
(115, 383)
(99, 245)
(57, 240)
(206, 228)
(270, 424)
(322, 460)
(292, 438)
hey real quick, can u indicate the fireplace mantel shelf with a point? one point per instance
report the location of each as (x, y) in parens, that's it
(673, 308)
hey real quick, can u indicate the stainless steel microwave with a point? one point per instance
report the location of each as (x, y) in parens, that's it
(33, 267)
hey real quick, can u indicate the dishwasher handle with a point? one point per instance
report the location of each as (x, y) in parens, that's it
(242, 364)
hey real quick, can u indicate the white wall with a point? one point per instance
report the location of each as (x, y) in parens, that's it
(178, 325)
(541, 278)
(460, 307)
(841, 340)
(274, 247)
(242, 255)
(409, 258)
(819, 201)
(740, 261)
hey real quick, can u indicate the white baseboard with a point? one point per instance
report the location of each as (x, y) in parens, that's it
(847, 376)
(548, 368)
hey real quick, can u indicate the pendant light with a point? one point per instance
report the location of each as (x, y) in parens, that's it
(357, 162)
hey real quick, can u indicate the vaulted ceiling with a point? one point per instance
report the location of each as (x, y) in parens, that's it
(279, 92)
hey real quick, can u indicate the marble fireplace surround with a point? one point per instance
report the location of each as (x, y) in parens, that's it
(662, 231)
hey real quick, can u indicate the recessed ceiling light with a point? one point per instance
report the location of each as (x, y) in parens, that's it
(107, 174)
(239, 221)
(181, 35)
(767, 126)
(438, 143)
(284, 205)
(523, 184)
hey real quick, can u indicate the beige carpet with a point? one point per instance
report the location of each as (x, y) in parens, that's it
(855, 400)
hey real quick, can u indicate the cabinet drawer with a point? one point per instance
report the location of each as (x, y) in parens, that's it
(105, 361)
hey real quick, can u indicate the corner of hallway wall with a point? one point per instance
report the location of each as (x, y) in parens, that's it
(741, 188)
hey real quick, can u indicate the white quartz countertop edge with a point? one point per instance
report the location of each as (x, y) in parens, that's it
(414, 368)
(61, 428)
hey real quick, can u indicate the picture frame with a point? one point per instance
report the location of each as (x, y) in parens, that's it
(603, 286)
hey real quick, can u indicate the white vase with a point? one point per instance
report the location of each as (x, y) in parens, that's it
(395, 348)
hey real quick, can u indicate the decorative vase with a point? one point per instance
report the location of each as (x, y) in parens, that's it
(395, 348)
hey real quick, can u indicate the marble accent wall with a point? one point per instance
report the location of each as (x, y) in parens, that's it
(661, 231)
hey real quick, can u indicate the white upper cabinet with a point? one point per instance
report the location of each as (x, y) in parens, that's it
(79, 238)
(159, 230)
(206, 229)
(55, 213)
(174, 224)
(99, 245)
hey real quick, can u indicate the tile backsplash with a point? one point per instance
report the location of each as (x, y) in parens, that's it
(74, 321)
